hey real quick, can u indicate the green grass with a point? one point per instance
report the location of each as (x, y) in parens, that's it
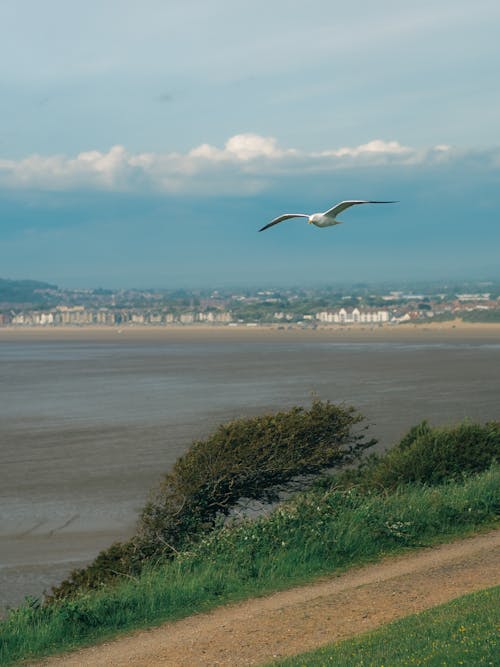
(462, 632)
(323, 531)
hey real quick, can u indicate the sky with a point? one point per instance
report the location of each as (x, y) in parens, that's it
(144, 144)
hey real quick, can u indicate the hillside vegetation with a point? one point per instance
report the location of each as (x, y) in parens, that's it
(252, 458)
(23, 292)
(350, 518)
(428, 455)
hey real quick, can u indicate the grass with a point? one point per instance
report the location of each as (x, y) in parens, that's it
(462, 632)
(320, 532)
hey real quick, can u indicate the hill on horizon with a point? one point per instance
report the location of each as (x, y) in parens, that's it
(23, 292)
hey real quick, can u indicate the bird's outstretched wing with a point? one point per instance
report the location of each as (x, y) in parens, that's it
(338, 208)
(280, 218)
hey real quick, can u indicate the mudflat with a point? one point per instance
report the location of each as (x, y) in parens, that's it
(91, 418)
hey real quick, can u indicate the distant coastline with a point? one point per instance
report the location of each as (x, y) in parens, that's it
(428, 330)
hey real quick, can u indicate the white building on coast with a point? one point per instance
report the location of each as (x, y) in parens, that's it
(355, 316)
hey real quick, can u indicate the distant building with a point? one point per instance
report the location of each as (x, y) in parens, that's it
(473, 297)
(355, 316)
(104, 317)
(73, 315)
(46, 319)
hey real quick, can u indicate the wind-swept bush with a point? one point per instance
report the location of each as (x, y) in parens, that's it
(247, 458)
(250, 458)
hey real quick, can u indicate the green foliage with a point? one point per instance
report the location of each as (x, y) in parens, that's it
(250, 458)
(120, 560)
(246, 458)
(461, 632)
(429, 455)
(314, 533)
(323, 530)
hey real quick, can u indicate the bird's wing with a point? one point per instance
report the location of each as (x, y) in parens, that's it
(280, 218)
(338, 208)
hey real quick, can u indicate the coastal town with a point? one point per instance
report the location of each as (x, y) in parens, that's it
(34, 304)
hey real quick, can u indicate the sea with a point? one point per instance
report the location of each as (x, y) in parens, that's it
(88, 427)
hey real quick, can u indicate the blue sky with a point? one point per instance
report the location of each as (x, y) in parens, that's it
(143, 144)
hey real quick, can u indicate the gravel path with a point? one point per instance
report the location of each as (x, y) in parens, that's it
(258, 630)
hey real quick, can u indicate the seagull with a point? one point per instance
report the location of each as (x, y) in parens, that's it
(326, 219)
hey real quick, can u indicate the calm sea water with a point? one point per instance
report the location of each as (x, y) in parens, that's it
(87, 428)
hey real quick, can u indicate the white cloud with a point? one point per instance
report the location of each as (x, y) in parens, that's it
(375, 147)
(242, 148)
(247, 163)
(91, 168)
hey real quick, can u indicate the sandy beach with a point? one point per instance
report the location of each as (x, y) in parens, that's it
(452, 330)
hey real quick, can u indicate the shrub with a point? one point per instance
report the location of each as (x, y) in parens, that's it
(430, 456)
(246, 458)
(250, 458)
(120, 560)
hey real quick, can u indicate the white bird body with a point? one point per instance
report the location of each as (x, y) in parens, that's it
(323, 220)
(326, 219)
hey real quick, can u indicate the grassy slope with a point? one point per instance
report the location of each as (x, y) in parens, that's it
(461, 632)
(317, 533)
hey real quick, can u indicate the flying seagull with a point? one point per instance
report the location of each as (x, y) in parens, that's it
(326, 219)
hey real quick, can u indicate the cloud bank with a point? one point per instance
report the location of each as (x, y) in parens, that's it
(246, 164)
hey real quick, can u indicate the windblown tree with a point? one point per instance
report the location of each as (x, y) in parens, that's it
(252, 458)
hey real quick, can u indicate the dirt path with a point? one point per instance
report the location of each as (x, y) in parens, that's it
(287, 623)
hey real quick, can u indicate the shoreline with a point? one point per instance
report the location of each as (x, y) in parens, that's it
(453, 329)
